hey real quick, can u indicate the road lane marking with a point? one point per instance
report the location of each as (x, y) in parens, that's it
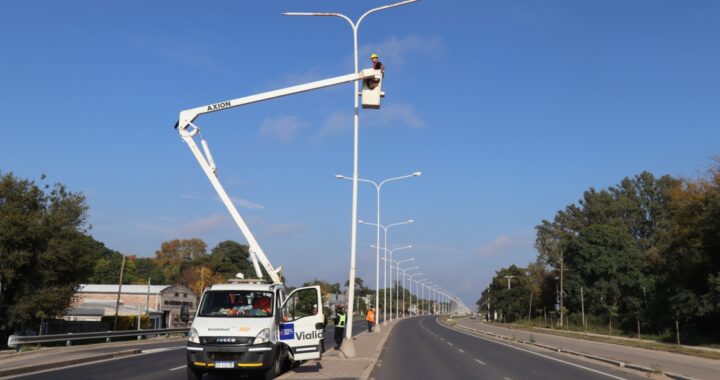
(480, 361)
(162, 349)
(449, 344)
(507, 378)
(461, 351)
(535, 353)
(177, 368)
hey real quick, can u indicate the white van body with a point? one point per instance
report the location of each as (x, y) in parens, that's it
(247, 337)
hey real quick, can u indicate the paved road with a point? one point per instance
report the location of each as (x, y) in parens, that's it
(160, 362)
(421, 348)
(700, 368)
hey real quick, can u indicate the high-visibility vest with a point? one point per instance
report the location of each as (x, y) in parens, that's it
(341, 320)
(370, 316)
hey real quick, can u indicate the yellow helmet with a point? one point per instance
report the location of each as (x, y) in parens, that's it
(373, 55)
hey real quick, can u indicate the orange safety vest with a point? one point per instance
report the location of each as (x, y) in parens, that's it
(370, 316)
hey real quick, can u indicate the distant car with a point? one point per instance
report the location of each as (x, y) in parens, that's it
(473, 316)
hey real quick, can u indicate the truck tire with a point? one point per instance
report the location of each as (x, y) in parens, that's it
(193, 374)
(276, 367)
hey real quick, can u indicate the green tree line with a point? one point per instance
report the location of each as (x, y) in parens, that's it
(639, 257)
(46, 251)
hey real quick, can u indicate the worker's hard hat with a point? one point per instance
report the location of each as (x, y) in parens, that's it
(373, 55)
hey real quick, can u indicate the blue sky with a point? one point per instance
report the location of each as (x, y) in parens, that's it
(510, 108)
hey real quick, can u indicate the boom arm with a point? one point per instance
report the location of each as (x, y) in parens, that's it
(188, 131)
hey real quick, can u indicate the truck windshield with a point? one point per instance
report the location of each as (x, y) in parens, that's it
(236, 303)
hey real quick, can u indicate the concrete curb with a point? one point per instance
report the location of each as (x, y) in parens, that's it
(366, 373)
(576, 353)
(56, 364)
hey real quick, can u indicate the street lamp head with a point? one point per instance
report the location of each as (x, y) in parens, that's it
(411, 221)
(417, 174)
(339, 176)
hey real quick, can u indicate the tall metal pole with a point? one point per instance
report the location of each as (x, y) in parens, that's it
(117, 303)
(347, 346)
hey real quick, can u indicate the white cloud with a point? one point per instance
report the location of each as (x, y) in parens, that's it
(197, 226)
(203, 224)
(336, 124)
(392, 115)
(295, 79)
(239, 202)
(283, 129)
(283, 229)
(507, 245)
(396, 113)
(395, 51)
(244, 203)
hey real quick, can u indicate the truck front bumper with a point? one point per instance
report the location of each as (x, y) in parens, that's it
(213, 357)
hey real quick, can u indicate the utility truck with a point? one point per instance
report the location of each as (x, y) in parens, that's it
(252, 325)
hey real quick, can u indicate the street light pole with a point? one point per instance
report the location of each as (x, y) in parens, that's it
(416, 295)
(508, 278)
(378, 187)
(348, 348)
(385, 228)
(397, 293)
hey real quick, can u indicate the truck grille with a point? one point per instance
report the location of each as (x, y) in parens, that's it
(234, 340)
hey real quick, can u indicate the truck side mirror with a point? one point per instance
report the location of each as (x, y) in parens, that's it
(184, 313)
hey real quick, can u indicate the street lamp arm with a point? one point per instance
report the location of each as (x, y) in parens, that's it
(381, 8)
(415, 174)
(340, 176)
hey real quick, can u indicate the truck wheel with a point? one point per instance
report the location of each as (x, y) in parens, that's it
(193, 374)
(276, 366)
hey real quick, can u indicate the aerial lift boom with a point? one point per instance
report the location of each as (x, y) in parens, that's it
(189, 131)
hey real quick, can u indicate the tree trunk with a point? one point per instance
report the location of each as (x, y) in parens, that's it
(677, 331)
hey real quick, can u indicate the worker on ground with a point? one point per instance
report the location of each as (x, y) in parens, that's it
(340, 319)
(376, 65)
(370, 318)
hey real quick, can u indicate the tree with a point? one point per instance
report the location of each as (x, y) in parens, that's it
(200, 277)
(174, 256)
(230, 257)
(146, 267)
(45, 251)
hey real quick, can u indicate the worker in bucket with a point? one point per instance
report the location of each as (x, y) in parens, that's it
(376, 65)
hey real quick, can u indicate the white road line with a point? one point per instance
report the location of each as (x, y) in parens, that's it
(161, 349)
(507, 378)
(177, 368)
(535, 353)
(480, 361)
(461, 351)
(449, 344)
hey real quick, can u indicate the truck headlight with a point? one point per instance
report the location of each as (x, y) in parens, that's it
(193, 337)
(262, 337)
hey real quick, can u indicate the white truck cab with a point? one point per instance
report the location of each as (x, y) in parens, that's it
(252, 326)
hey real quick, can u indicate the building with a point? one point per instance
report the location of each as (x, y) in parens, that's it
(161, 302)
(335, 299)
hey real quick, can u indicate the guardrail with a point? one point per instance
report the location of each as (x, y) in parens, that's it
(16, 341)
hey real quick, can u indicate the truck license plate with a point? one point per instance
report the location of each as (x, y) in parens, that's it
(224, 364)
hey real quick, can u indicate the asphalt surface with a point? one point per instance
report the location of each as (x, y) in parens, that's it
(421, 348)
(157, 362)
(692, 366)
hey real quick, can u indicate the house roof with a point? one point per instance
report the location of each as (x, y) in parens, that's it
(126, 289)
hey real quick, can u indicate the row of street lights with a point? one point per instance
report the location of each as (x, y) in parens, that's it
(347, 346)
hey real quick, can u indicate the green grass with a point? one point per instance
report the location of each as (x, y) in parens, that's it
(648, 342)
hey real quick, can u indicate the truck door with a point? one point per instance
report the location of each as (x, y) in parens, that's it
(302, 323)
